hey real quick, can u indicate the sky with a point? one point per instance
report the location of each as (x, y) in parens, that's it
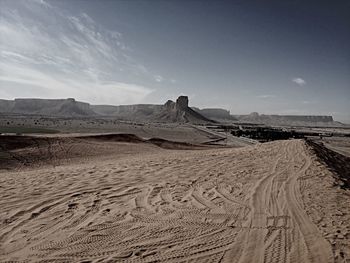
(273, 57)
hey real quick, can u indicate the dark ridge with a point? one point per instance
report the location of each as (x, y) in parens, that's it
(10, 157)
(27, 151)
(336, 162)
(13, 142)
(8, 142)
(114, 137)
(131, 138)
(213, 142)
(166, 144)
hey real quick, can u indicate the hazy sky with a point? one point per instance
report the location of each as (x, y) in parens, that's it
(282, 57)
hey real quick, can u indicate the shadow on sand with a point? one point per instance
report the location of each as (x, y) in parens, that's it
(336, 162)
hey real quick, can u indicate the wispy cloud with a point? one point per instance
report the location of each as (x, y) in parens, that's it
(67, 55)
(266, 96)
(299, 81)
(49, 86)
(158, 78)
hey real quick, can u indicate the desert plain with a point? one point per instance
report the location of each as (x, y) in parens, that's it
(174, 131)
(121, 198)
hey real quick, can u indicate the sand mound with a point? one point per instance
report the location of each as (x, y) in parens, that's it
(28, 151)
(166, 144)
(273, 202)
(9, 142)
(131, 138)
(337, 163)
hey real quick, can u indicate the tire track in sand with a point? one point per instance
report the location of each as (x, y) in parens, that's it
(278, 228)
(224, 205)
(253, 238)
(317, 248)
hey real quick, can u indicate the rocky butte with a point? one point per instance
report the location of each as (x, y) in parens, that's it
(171, 111)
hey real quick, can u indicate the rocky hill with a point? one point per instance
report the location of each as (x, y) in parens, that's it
(171, 111)
(288, 120)
(217, 114)
(51, 107)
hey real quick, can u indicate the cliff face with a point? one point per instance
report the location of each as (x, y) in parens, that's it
(182, 103)
(169, 112)
(293, 120)
(6, 105)
(216, 114)
(306, 118)
(60, 107)
(179, 111)
(132, 112)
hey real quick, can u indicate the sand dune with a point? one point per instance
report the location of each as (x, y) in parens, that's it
(273, 202)
(18, 152)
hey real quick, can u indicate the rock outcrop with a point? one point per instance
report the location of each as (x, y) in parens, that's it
(288, 120)
(50, 107)
(217, 114)
(171, 111)
(182, 103)
(178, 111)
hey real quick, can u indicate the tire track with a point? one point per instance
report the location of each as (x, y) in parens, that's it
(317, 249)
(217, 206)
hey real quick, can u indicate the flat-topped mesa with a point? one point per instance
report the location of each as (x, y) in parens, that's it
(171, 111)
(52, 107)
(182, 103)
(306, 118)
(216, 113)
(289, 120)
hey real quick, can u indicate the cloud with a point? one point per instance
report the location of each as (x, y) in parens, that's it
(299, 81)
(67, 55)
(99, 92)
(266, 96)
(42, 2)
(158, 78)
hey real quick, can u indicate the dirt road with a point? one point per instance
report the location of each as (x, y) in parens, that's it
(221, 205)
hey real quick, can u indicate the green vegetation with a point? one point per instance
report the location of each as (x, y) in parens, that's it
(19, 130)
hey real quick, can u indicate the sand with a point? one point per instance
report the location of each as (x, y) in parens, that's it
(272, 202)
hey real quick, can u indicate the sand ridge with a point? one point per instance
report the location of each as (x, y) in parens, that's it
(252, 204)
(22, 152)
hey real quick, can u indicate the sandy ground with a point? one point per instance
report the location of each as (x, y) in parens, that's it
(272, 202)
(338, 144)
(169, 131)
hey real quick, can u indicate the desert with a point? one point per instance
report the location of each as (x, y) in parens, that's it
(171, 192)
(153, 131)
